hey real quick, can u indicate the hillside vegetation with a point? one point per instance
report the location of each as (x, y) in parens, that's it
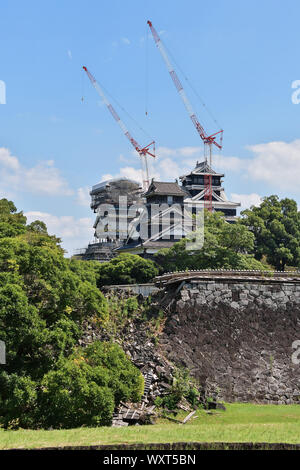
(44, 298)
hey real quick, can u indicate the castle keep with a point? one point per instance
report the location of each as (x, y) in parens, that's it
(165, 226)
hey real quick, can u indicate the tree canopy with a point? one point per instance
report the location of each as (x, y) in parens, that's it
(275, 225)
(227, 246)
(44, 299)
(126, 269)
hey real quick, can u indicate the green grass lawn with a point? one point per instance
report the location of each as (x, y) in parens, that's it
(239, 423)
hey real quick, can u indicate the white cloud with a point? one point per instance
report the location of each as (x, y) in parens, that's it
(43, 178)
(127, 172)
(75, 233)
(132, 173)
(274, 163)
(125, 41)
(169, 170)
(246, 200)
(191, 152)
(163, 152)
(69, 54)
(8, 161)
(163, 168)
(106, 177)
(277, 163)
(186, 152)
(223, 163)
(83, 196)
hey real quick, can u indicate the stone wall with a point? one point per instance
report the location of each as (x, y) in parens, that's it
(236, 335)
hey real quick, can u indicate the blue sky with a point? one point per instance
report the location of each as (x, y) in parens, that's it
(241, 56)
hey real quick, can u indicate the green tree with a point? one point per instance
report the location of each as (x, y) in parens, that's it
(12, 223)
(85, 388)
(44, 300)
(126, 269)
(275, 225)
(227, 246)
(38, 226)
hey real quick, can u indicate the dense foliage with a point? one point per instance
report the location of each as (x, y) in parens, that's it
(126, 269)
(275, 225)
(44, 299)
(84, 389)
(225, 246)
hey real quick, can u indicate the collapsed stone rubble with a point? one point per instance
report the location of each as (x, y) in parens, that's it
(142, 349)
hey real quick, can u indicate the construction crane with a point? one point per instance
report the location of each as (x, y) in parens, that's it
(208, 140)
(142, 151)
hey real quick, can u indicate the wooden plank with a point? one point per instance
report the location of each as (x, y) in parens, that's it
(151, 409)
(188, 417)
(170, 419)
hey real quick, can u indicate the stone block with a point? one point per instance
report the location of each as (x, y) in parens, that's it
(210, 286)
(234, 305)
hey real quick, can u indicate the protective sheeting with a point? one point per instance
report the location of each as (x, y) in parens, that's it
(108, 192)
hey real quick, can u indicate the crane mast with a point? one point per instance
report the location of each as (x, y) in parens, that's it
(142, 151)
(208, 140)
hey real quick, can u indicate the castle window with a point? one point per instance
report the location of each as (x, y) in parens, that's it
(170, 200)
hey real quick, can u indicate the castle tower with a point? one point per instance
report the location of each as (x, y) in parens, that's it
(194, 185)
(108, 193)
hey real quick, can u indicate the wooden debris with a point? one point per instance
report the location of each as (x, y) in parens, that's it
(188, 417)
(174, 420)
(184, 405)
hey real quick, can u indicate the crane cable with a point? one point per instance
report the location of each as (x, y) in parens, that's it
(82, 86)
(192, 87)
(146, 74)
(124, 111)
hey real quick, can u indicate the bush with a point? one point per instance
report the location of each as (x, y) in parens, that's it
(183, 387)
(18, 400)
(126, 269)
(87, 387)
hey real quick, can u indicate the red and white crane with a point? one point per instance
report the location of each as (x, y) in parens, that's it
(142, 151)
(208, 140)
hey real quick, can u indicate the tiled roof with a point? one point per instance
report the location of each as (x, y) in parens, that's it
(169, 189)
(201, 168)
(204, 167)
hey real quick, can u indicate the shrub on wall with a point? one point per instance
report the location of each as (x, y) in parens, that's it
(126, 269)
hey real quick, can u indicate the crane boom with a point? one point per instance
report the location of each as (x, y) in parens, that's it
(208, 139)
(142, 151)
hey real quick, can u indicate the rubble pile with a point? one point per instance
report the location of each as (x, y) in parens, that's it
(141, 345)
